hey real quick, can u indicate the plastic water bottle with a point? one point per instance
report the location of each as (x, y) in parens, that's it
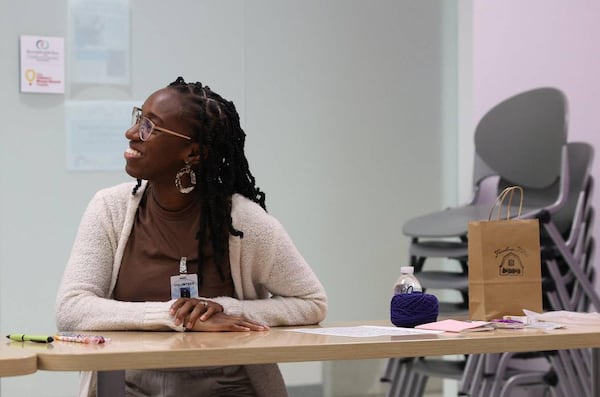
(407, 283)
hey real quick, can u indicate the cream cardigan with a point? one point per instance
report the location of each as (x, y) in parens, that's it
(273, 283)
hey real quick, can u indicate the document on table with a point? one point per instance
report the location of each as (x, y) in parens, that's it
(363, 331)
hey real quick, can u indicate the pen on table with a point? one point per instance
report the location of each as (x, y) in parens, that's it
(97, 339)
(30, 338)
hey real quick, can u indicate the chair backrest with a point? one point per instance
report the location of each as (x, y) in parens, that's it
(521, 138)
(580, 157)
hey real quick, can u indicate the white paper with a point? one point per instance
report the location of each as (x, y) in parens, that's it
(100, 41)
(365, 331)
(42, 64)
(564, 317)
(96, 134)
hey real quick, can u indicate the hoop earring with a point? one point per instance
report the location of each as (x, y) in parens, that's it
(187, 169)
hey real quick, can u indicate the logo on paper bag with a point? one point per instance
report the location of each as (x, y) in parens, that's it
(510, 262)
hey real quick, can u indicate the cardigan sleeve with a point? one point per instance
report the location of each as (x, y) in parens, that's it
(83, 301)
(277, 286)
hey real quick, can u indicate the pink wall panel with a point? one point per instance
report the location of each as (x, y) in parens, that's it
(518, 45)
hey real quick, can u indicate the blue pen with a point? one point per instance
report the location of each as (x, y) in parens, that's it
(30, 338)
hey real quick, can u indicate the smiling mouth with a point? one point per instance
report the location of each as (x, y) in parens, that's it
(132, 153)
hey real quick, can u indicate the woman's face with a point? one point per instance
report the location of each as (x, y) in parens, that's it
(161, 155)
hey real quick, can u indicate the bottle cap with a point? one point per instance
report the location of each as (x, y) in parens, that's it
(407, 269)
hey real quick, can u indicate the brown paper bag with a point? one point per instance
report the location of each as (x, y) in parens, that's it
(504, 263)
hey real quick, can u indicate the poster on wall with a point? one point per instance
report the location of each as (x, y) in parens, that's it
(96, 134)
(42, 64)
(100, 36)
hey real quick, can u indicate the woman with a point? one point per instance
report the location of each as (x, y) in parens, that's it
(189, 246)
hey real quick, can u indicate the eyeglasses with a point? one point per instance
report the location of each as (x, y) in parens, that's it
(146, 126)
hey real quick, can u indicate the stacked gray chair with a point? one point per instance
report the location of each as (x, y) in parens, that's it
(565, 213)
(497, 374)
(521, 141)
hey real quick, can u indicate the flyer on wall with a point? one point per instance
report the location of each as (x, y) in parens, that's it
(99, 33)
(42, 64)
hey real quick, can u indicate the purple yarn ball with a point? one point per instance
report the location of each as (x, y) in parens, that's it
(409, 310)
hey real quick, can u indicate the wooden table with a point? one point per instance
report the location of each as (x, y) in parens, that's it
(18, 358)
(145, 350)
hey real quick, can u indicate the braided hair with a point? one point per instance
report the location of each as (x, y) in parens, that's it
(224, 170)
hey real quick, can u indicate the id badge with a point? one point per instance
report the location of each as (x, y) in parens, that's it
(184, 286)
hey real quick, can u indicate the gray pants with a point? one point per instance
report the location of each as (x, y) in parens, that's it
(231, 381)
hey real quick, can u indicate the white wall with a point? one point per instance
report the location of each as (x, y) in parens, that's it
(342, 102)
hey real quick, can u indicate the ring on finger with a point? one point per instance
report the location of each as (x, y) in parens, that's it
(205, 303)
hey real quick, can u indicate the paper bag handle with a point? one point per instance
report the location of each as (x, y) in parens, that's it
(508, 192)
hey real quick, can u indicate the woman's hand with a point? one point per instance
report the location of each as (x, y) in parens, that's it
(225, 322)
(187, 310)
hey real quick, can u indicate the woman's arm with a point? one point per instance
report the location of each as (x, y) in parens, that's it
(276, 285)
(83, 300)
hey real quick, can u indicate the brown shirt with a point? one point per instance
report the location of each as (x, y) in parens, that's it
(158, 240)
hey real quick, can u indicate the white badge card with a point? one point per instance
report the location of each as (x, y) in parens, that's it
(184, 286)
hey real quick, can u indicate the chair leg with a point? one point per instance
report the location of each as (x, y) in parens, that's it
(577, 357)
(560, 290)
(468, 374)
(491, 364)
(474, 386)
(580, 275)
(500, 375)
(390, 368)
(577, 387)
(521, 379)
(395, 373)
(418, 386)
(404, 381)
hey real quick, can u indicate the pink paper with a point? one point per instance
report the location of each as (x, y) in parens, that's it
(453, 325)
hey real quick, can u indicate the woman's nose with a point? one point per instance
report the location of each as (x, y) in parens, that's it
(132, 133)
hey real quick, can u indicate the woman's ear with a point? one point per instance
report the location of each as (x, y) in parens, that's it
(193, 156)
(197, 153)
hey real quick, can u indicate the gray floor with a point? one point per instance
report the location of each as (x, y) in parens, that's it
(305, 391)
(434, 389)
